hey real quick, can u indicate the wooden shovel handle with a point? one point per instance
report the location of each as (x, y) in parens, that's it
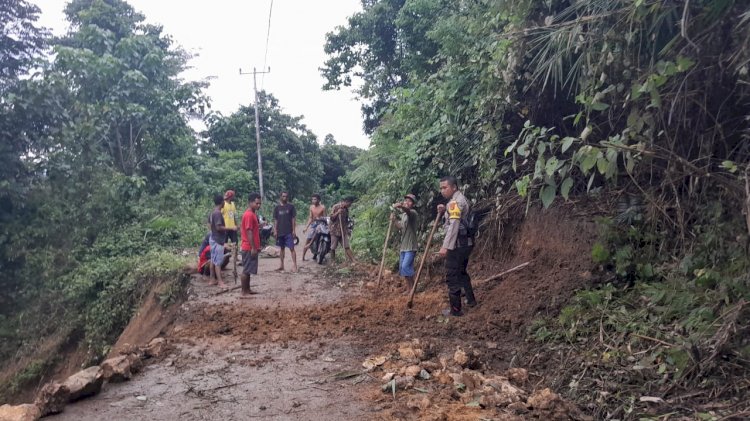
(421, 263)
(343, 235)
(385, 248)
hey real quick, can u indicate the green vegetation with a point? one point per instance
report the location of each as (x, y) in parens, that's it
(104, 187)
(642, 105)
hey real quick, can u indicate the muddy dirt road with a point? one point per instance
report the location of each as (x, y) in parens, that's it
(298, 350)
(219, 376)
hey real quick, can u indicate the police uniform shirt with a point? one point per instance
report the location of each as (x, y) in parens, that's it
(456, 209)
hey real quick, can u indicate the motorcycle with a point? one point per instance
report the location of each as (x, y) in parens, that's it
(321, 243)
(266, 229)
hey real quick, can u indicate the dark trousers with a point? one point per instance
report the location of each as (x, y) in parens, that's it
(457, 278)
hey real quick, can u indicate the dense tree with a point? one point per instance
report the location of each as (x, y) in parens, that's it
(103, 178)
(337, 160)
(21, 39)
(644, 103)
(291, 156)
(384, 45)
(21, 43)
(126, 77)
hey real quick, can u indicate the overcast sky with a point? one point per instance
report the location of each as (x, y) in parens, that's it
(231, 34)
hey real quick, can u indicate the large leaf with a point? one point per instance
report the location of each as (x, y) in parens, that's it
(547, 194)
(567, 142)
(589, 159)
(565, 187)
(552, 165)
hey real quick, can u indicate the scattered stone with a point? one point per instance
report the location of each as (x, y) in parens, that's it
(550, 405)
(412, 371)
(270, 251)
(25, 412)
(85, 383)
(456, 377)
(156, 348)
(136, 363)
(430, 366)
(401, 383)
(410, 353)
(388, 377)
(404, 382)
(471, 380)
(275, 337)
(517, 375)
(543, 399)
(116, 369)
(491, 345)
(370, 285)
(444, 362)
(424, 374)
(507, 391)
(127, 348)
(372, 362)
(461, 358)
(52, 398)
(141, 398)
(443, 377)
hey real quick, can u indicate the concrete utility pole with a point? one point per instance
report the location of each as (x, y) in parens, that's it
(255, 73)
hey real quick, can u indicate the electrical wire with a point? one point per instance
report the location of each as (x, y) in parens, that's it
(265, 55)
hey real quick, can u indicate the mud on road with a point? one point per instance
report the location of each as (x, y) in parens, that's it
(214, 374)
(296, 350)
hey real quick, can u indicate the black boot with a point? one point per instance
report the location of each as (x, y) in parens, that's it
(455, 302)
(471, 300)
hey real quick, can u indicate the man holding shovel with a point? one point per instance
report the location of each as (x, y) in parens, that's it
(457, 245)
(407, 223)
(339, 229)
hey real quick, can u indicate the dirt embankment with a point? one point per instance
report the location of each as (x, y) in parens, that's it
(65, 353)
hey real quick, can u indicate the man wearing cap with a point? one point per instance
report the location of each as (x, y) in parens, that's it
(339, 228)
(457, 245)
(229, 212)
(407, 223)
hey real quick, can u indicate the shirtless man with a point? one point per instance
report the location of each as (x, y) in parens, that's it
(317, 210)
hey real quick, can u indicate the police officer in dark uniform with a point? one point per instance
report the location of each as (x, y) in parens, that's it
(457, 245)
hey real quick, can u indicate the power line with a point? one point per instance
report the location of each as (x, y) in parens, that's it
(268, 35)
